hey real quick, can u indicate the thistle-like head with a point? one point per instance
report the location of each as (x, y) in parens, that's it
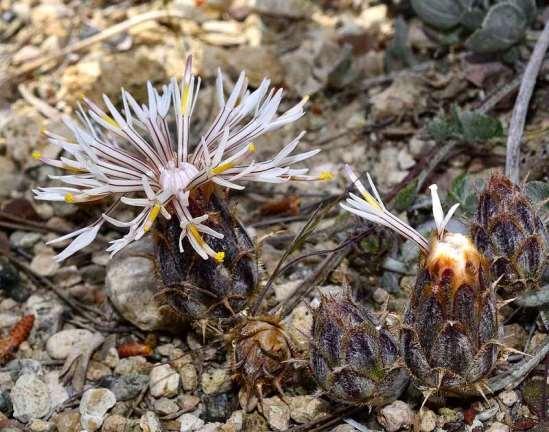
(144, 156)
(446, 250)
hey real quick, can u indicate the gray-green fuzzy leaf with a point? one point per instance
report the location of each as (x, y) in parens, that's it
(503, 27)
(441, 14)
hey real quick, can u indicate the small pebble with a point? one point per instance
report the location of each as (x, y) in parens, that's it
(97, 371)
(65, 342)
(6, 406)
(40, 426)
(165, 406)
(235, 422)
(125, 387)
(498, 427)
(115, 423)
(163, 381)
(68, 421)
(395, 416)
(30, 398)
(428, 421)
(189, 377)
(211, 427)
(215, 381)
(190, 423)
(44, 263)
(304, 409)
(508, 398)
(94, 405)
(277, 413)
(149, 422)
(188, 402)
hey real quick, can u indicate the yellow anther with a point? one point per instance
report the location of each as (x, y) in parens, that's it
(196, 235)
(371, 200)
(69, 198)
(155, 211)
(222, 167)
(251, 148)
(219, 257)
(305, 99)
(110, 120)
(326, 176)
(36, 155)
(185, 98)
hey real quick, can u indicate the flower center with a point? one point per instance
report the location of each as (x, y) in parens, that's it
(454, 252)
(177, 179)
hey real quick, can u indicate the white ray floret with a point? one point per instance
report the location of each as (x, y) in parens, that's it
(142, 158)
(371, 208)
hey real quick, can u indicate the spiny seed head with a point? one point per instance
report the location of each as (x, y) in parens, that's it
(450, 333)
(353, 358)
(509, 231)
(145, 156)
(449, 339)
(262, 357)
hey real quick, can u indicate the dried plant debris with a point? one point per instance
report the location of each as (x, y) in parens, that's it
(264, 358)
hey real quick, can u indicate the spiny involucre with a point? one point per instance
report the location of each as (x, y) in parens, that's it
(508, 229)
(353, 358)
(136, 156)
(449, 338)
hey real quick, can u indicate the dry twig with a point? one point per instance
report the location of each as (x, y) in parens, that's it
(520, 110)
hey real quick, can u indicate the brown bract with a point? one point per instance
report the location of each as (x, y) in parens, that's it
(262, 355)
(450, 334)
(352, 357)
(509, 231)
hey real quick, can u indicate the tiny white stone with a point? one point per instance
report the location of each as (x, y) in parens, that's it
(164, 381)
(498, 427)
(277, 413)
(508, 398)
(63, 343)
(395, 416)
(190, 423)
(30, 398)
(94, 405)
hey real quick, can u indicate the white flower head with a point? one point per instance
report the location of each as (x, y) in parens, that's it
(136, 156)
(371, 208)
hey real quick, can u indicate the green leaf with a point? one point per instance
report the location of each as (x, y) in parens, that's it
(406, 197)
(528, 8)
(465, 191)
(441, 14)
(479, 127)
(504, 26)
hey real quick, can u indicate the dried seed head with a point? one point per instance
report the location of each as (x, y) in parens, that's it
(262, 358)
(509, 231)
(198, 289)
(352, 357)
